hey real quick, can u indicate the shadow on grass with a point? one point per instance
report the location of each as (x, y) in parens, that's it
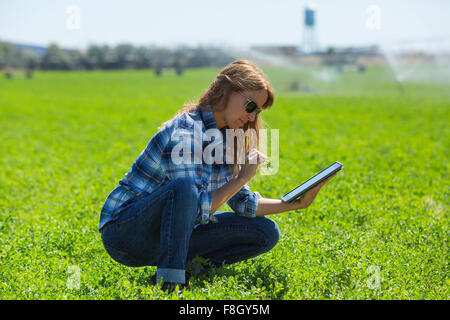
(251, 274)
(254, 273)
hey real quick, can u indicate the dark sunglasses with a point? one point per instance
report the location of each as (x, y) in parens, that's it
(251, 105)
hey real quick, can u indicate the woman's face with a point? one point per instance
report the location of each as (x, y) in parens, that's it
(234, 116)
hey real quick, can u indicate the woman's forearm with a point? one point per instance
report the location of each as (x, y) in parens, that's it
(225, 192)
(271, 206)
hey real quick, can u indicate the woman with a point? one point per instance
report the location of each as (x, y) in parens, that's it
(164, 212)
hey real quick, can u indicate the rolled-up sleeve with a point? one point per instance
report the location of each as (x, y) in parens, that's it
(245, 202)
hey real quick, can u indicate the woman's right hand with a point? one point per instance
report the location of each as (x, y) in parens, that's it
(252, 162)
(306, 199)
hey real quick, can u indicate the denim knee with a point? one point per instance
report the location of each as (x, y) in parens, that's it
(271, 232)
(186, 188)
(186, 185)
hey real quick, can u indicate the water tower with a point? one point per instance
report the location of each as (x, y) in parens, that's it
(309, 29)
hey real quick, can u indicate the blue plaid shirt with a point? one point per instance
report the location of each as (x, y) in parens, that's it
(154, 168)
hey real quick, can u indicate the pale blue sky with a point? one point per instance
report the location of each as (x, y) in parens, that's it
(231, 22)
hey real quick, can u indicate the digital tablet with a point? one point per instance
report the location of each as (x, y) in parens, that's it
(311, 183)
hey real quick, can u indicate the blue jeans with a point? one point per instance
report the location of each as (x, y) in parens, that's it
(158, 230)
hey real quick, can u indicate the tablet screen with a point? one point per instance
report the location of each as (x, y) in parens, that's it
(314, 180)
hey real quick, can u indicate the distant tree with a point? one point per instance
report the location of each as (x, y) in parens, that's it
(29, 73)
(164, 57)
(180, 56)
(118, 57)
(157, 67)
(126, 56)
(77, 59)
(31, 60)
(199, 58)
(95, 57)
(110, 60)
(143, 58)
(178, 67)
(54, 59)
(330, 58)
(2, 54)
(10, 56)
(8, 73)
(207, 57)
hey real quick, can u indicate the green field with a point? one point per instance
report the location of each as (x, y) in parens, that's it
(378, 230)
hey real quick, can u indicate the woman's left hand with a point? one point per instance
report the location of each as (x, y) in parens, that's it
(306, 199)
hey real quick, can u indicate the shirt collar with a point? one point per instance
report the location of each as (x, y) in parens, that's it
(208, 118)
(210, 122)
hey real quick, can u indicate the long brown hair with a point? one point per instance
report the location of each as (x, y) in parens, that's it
(238, 76)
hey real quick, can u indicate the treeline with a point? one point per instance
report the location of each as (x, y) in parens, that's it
(123, 56)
